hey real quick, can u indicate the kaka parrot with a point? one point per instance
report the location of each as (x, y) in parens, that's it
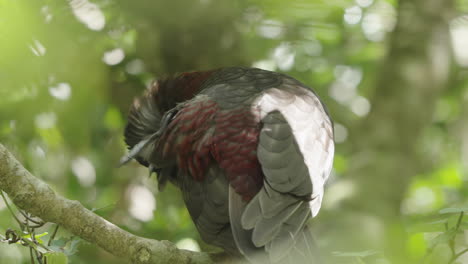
(249, 149)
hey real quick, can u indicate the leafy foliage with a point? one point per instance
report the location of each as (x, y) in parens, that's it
(69, 71)
(55, 251)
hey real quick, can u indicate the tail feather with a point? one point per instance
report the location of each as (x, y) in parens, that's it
(278, 225)
(304, 251)
(285, 242)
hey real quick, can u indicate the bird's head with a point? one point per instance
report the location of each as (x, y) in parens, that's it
(151, 113)
(143, 128)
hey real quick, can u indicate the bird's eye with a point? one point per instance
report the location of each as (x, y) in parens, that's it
(168, 117)
(172, 113)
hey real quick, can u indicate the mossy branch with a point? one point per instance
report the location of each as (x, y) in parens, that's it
(36, 197)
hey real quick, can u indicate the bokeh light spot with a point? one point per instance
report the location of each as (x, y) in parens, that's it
(360, 106)
(341, 133)
(45, 120)
(114, 57)
(61, 91)
(188, 244)
(459, 34)
(271, 29)
(364, 3)
(84, 171)
(37, 48)
(135, 67)
(89, 14)
(284, 56)
(353, 15)
(142, 203)
(268, 65)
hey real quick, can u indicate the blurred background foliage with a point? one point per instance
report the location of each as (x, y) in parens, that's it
(70, 69)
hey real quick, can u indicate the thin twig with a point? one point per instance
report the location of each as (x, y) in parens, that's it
(72, 216)
(33, 242)
(452, 240)
(11, 210)
(31, 234)
(456, 256)
(459, 220)
(37, 222)
(452, 246)
(31, 255)
(53, 235)
(35, 226)
(38, 256)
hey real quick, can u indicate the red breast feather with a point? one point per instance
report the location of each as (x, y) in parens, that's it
(202, 134)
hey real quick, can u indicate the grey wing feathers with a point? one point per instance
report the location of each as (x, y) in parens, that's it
(207, 203)
(242, 236)
(280, 157)
(278, 214)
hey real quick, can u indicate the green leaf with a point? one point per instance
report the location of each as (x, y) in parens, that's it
(444, 237)
(56, 258)
(41, 235)
(59, 243)
(361, 254)
(453, 210)
(424, 227)
(37, 237)
(68, 246)
(464, 225)
(359, 260)
(72, 246)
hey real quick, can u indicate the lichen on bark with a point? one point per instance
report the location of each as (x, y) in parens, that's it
(36, 197)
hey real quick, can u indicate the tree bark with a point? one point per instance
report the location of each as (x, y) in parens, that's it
(36, 197)
(385, 157)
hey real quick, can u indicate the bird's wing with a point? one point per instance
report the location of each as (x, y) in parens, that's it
(297, 129)
(207, 204)
(295, 151)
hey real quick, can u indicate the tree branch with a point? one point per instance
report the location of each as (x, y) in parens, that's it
(36, 197)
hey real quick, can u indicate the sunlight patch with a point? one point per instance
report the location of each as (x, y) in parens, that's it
(352, 15)
(341, 133)
(360, 106)
(284, 56)
(37, 48)
(84, 171)
(141, 203)
(188, 244)
(61, 91)
(459, 33)
(89, 14)
(45, 120)
(271, 29)
(268, 65)
(113, 57)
